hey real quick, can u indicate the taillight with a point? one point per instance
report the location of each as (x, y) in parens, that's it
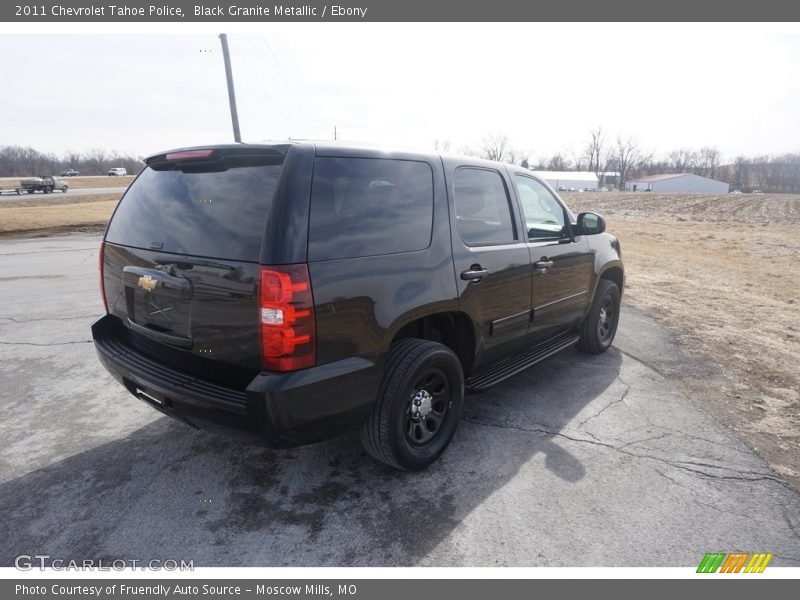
(288, 328)
(101, 260)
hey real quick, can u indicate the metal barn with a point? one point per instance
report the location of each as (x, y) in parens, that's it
(577, 180)
(677, 182)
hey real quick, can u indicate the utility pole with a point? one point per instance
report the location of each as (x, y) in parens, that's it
(231, 94)
(334, 132)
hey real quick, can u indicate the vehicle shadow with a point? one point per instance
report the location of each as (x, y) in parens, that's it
(167, 491)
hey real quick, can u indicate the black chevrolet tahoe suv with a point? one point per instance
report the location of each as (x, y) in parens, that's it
(289, 292)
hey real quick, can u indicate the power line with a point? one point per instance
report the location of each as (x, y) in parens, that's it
(279, 81)
(284, 96)
(300, 83)
(263, 91)
(286, 83)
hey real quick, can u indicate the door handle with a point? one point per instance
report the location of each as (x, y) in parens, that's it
(475, 273)
(543, 265)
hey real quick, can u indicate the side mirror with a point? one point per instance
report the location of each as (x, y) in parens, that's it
(590, 224)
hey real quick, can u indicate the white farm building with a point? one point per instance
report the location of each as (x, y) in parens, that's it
(677, 182)
(577, 180)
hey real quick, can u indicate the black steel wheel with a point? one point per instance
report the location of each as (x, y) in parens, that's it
(606, 319)
(600, 326)
(428, 406)
(418, 406)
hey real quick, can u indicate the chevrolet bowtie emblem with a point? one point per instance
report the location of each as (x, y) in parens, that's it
(147, 283)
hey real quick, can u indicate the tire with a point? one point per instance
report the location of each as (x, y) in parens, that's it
(600, 326)
(426, 372)
(64, 189)
(48, 190)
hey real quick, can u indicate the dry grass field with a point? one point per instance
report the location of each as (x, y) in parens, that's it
(79, 183)
(721, 272)
(55, 216)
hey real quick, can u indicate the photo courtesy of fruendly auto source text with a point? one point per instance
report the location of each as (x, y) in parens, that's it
(371, 299)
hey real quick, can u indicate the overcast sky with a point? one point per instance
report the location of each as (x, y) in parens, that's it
(544, 85)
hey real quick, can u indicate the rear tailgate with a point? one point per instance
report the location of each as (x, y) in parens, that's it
(181, 259)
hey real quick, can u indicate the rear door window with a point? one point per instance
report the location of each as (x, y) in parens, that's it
(483, 211)
(219, 214)
(369, 206)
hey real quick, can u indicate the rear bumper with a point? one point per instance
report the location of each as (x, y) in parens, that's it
(276, 409)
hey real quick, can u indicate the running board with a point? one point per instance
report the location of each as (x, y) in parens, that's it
(512, 365)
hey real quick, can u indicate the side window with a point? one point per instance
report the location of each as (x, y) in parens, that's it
(483, 211)
(544, 216)
(369, 206)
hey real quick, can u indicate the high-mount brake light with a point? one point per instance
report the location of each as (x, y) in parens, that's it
(288, 326)
(189, 155)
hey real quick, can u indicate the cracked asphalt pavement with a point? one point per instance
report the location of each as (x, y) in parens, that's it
(579, 461)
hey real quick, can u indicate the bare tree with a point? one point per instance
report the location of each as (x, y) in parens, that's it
(682, 160)
(558, 162)
(574, 158)
(515, 156)
(96, 160)
(442, 146)
(709, 160)
(73, 159)
(495, 147)
(595, 152)
(627, 159)
(17, 161)
(741, 172)
(467, 150)
(772, 174)
(22, 161)
(538, 164)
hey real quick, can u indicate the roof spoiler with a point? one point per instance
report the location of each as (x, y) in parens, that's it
(214, 154)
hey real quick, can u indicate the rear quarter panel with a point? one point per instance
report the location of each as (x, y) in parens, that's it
(361, 303)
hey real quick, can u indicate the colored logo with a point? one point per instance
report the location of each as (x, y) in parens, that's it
(147, 283)
(735, 562)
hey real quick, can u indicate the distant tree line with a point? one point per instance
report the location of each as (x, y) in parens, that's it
(18, 161)
(603, 154)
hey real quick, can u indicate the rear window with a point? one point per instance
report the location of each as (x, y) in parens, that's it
(369, 206)
(217, 214)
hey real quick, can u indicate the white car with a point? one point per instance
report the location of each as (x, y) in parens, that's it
(117, 172)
